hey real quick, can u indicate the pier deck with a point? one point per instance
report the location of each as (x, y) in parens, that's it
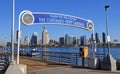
(37, 65)
(69, 70)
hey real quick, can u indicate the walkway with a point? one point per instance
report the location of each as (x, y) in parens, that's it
(37, 65)
(69, 70)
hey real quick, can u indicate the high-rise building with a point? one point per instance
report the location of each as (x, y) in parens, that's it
(74, 41)
(34, 39)
(103, 37)
(70, 40)
(9, 44)
(26, 41)
(83, 40)
(97, 38)
(78, 41)
(45, 37)
(61, 40)
(66, 39)
(91, 37)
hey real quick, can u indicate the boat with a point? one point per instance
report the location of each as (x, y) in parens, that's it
(35, 52)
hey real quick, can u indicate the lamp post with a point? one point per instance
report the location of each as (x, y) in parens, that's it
(27, 19)
(93, 43)
(107, 32)
(12, 32)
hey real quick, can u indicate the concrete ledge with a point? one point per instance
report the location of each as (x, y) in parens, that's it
(93, 63)
(108, 63)
(16, 69)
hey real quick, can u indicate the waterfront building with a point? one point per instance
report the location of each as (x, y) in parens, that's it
(61, 41)
(91, 37)
(26, 41)
(89, 41)
(56, 42)
(66, 39)
(34, 39)
(45, 36)
(115, 41)
(51, 42)
(70, 40)
(103, 37)
(97, 38)
(74, 41)
(40, 42)
(9, 44)
(78, 42)
(83, 40)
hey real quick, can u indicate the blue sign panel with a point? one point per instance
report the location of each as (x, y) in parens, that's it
(53, 18)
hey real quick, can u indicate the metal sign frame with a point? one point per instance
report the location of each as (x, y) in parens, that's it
(56, 18)
(29, 18)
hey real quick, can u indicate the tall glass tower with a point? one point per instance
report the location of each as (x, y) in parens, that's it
(26, 41)
(97, 38)
(103, 37)
(34, 39)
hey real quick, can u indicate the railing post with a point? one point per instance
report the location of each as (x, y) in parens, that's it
(83, 61)
(76, 60)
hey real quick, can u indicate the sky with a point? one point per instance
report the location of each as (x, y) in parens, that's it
(88, 9)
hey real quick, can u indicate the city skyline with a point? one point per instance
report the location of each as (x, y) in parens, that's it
(93, 10)
(82, 37)
(67, 39)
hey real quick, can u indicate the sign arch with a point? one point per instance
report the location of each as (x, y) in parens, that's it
(29, 18)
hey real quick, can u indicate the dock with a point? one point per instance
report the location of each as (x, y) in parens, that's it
(40, 67)
(70, 70)
(37, 65)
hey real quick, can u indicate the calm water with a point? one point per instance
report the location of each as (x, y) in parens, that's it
(114, 51)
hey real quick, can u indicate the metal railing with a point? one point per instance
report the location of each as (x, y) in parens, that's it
(60, 57)
(4, 62)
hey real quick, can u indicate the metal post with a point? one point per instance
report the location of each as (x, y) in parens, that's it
(76, 60)
(83, 60)
(19, 36)
(12, 34)
(93, 43)
(18, 40)
(108, 40)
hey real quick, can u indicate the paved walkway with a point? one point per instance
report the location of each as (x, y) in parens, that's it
(37, 65)
(69, 70)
